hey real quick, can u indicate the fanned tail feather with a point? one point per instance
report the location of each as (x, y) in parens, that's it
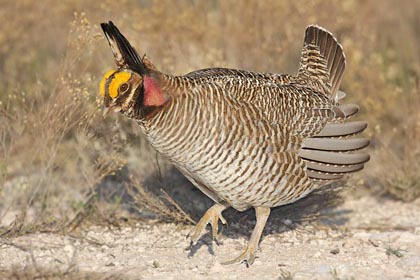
(323, 61)
(333, 153)
(342, 129)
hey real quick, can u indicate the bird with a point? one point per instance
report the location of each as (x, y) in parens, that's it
(245, 139)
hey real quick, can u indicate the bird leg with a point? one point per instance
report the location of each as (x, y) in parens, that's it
(212, 216)
(248, 255)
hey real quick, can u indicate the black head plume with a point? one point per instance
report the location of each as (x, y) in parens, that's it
(125, 55)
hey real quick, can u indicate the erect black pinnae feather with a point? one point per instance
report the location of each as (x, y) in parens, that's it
(125, 54)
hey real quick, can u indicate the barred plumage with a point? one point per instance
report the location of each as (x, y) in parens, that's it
(245, 139)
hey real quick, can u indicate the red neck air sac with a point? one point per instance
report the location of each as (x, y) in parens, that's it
(153, 95)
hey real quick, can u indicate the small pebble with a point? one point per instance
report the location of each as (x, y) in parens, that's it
(335, 251)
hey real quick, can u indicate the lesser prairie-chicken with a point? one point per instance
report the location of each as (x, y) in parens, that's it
(245, 139)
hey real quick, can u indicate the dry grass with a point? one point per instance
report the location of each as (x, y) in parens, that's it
(30, 273)
(163, 206)
(56, 150)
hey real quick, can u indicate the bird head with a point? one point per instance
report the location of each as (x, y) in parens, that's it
(136, 87)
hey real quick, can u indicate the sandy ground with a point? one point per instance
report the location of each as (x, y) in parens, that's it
(363, 238)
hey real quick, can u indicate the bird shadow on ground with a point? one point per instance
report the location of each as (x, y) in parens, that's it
(319, 206)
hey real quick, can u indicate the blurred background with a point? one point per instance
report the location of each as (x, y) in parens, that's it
(62, 163)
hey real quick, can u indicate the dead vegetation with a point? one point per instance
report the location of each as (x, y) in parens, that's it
(56, 150)
(163, 206)
(29, 273)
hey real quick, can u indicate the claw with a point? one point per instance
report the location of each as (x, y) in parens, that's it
(212, 216)
(248, 256)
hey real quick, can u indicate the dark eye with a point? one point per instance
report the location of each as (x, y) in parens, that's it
(123, 87)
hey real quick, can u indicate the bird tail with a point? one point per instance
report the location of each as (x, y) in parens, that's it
(323, 61)
(334, 152)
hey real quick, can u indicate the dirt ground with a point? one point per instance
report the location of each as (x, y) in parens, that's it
(363, 238)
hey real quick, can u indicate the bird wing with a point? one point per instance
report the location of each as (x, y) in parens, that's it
(302, 111)
(291, 108)
(222, 74)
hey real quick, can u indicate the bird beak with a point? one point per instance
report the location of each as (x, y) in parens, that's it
(105, 111)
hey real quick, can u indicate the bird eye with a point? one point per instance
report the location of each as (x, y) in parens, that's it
(123, 87)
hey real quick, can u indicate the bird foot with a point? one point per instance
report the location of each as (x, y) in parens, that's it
(212, 217)
(248, 257)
